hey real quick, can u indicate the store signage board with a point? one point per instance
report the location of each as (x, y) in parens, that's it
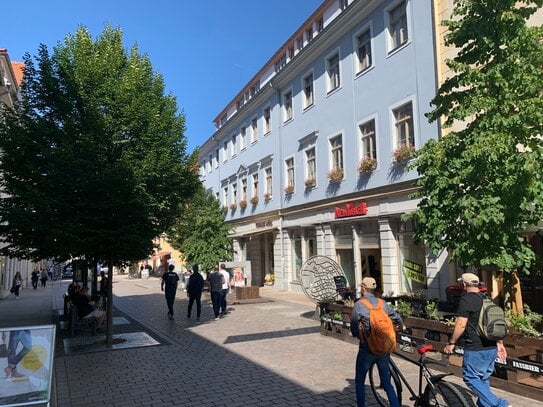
(26, 365)
(351, 210)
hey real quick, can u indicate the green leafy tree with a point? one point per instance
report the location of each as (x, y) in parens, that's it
(481, 183)
(200, 233)
(93, 157)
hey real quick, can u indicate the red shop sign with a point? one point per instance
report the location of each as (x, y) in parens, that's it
(351, 210)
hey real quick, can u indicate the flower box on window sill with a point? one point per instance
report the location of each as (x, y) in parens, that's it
(336, 174)
(310, 182)
(289, 189)
(267, 196)
(404, 153)
(367, 165)
(243, 204)
(254, 200)
(233, 207)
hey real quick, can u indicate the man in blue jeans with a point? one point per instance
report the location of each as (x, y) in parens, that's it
(365, 358)
(479, 353)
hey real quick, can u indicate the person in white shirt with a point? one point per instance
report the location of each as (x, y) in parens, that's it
(225, 287)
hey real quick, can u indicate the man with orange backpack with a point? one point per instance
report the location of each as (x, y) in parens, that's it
(373, 322)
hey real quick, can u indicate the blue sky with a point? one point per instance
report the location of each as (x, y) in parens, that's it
(206, 50)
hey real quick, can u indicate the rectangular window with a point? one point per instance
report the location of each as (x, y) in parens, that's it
(405, 134)
(254, 130)
(289, 164)
(343, 4)
(332, 70)
(267, 120)
(225, 196)
(255, 185)
(363, 50)
(308, 91)
(320, 24)
(367, 136)
(336, 148)
(309, 34)
(225, 151)
(243, 138)
(233, 147)
(210, 163)
(234, 193)
(269, 180)
(216, 158)
(287, 103)
(311, 166)
(398, 26)
(299, 43)
(244, 189)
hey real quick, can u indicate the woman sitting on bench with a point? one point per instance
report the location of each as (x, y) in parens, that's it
(86, 308)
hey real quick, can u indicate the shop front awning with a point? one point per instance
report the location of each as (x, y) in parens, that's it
(254, 232)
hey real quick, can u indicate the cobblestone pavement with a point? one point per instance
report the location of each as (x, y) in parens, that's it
(260, 354)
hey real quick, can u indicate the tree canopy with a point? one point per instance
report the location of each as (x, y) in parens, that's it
(93, 156)
(481, 184)
(200, 233)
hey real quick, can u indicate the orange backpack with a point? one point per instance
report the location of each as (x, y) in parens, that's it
(382, 337)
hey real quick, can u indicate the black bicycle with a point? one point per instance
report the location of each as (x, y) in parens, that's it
(437, 392)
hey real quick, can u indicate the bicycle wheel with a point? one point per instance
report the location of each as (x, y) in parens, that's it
(378, 390)
(443, 394)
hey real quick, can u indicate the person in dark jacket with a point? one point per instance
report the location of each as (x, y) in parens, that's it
(194, 291)
(170, 279)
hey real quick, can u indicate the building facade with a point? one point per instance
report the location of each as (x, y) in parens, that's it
(11, 74)
(311, 157)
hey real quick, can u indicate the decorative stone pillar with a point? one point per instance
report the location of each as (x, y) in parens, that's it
(389, 257)
(437, 274)
(357, 260)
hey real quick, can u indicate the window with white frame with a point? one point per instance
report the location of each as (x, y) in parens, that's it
(308, 91)
(289, 166)
(243, 138)
(320, 24)
(267, 120)
(254, 130)
(397, 25)
(332, 71)
(367, 138)
(310, 166)
(363, 50)
(203, 168)
(309, 34)
(225, 151)
(255, 185)
(216, 158)
(217, 196)
(225, 196)
(235, 193)
(336, 150)
(244, 189)
(233, 147)
(269, 182)
(405, 133)
(343, 4)
(287, 106)
(210, 163)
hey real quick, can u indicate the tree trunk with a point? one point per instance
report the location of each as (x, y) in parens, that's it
(109, 308)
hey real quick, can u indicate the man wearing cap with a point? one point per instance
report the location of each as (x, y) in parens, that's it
(365, 358)
(479, 353)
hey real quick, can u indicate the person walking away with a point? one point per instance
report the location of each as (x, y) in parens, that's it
(170, 279)
(367, 352)
(225, 288)
(216, 280)
(16, 286)
(35, 277)
(479, 352)
(194, 292)
(43, 278)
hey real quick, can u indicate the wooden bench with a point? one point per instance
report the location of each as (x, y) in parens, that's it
(83, 323)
